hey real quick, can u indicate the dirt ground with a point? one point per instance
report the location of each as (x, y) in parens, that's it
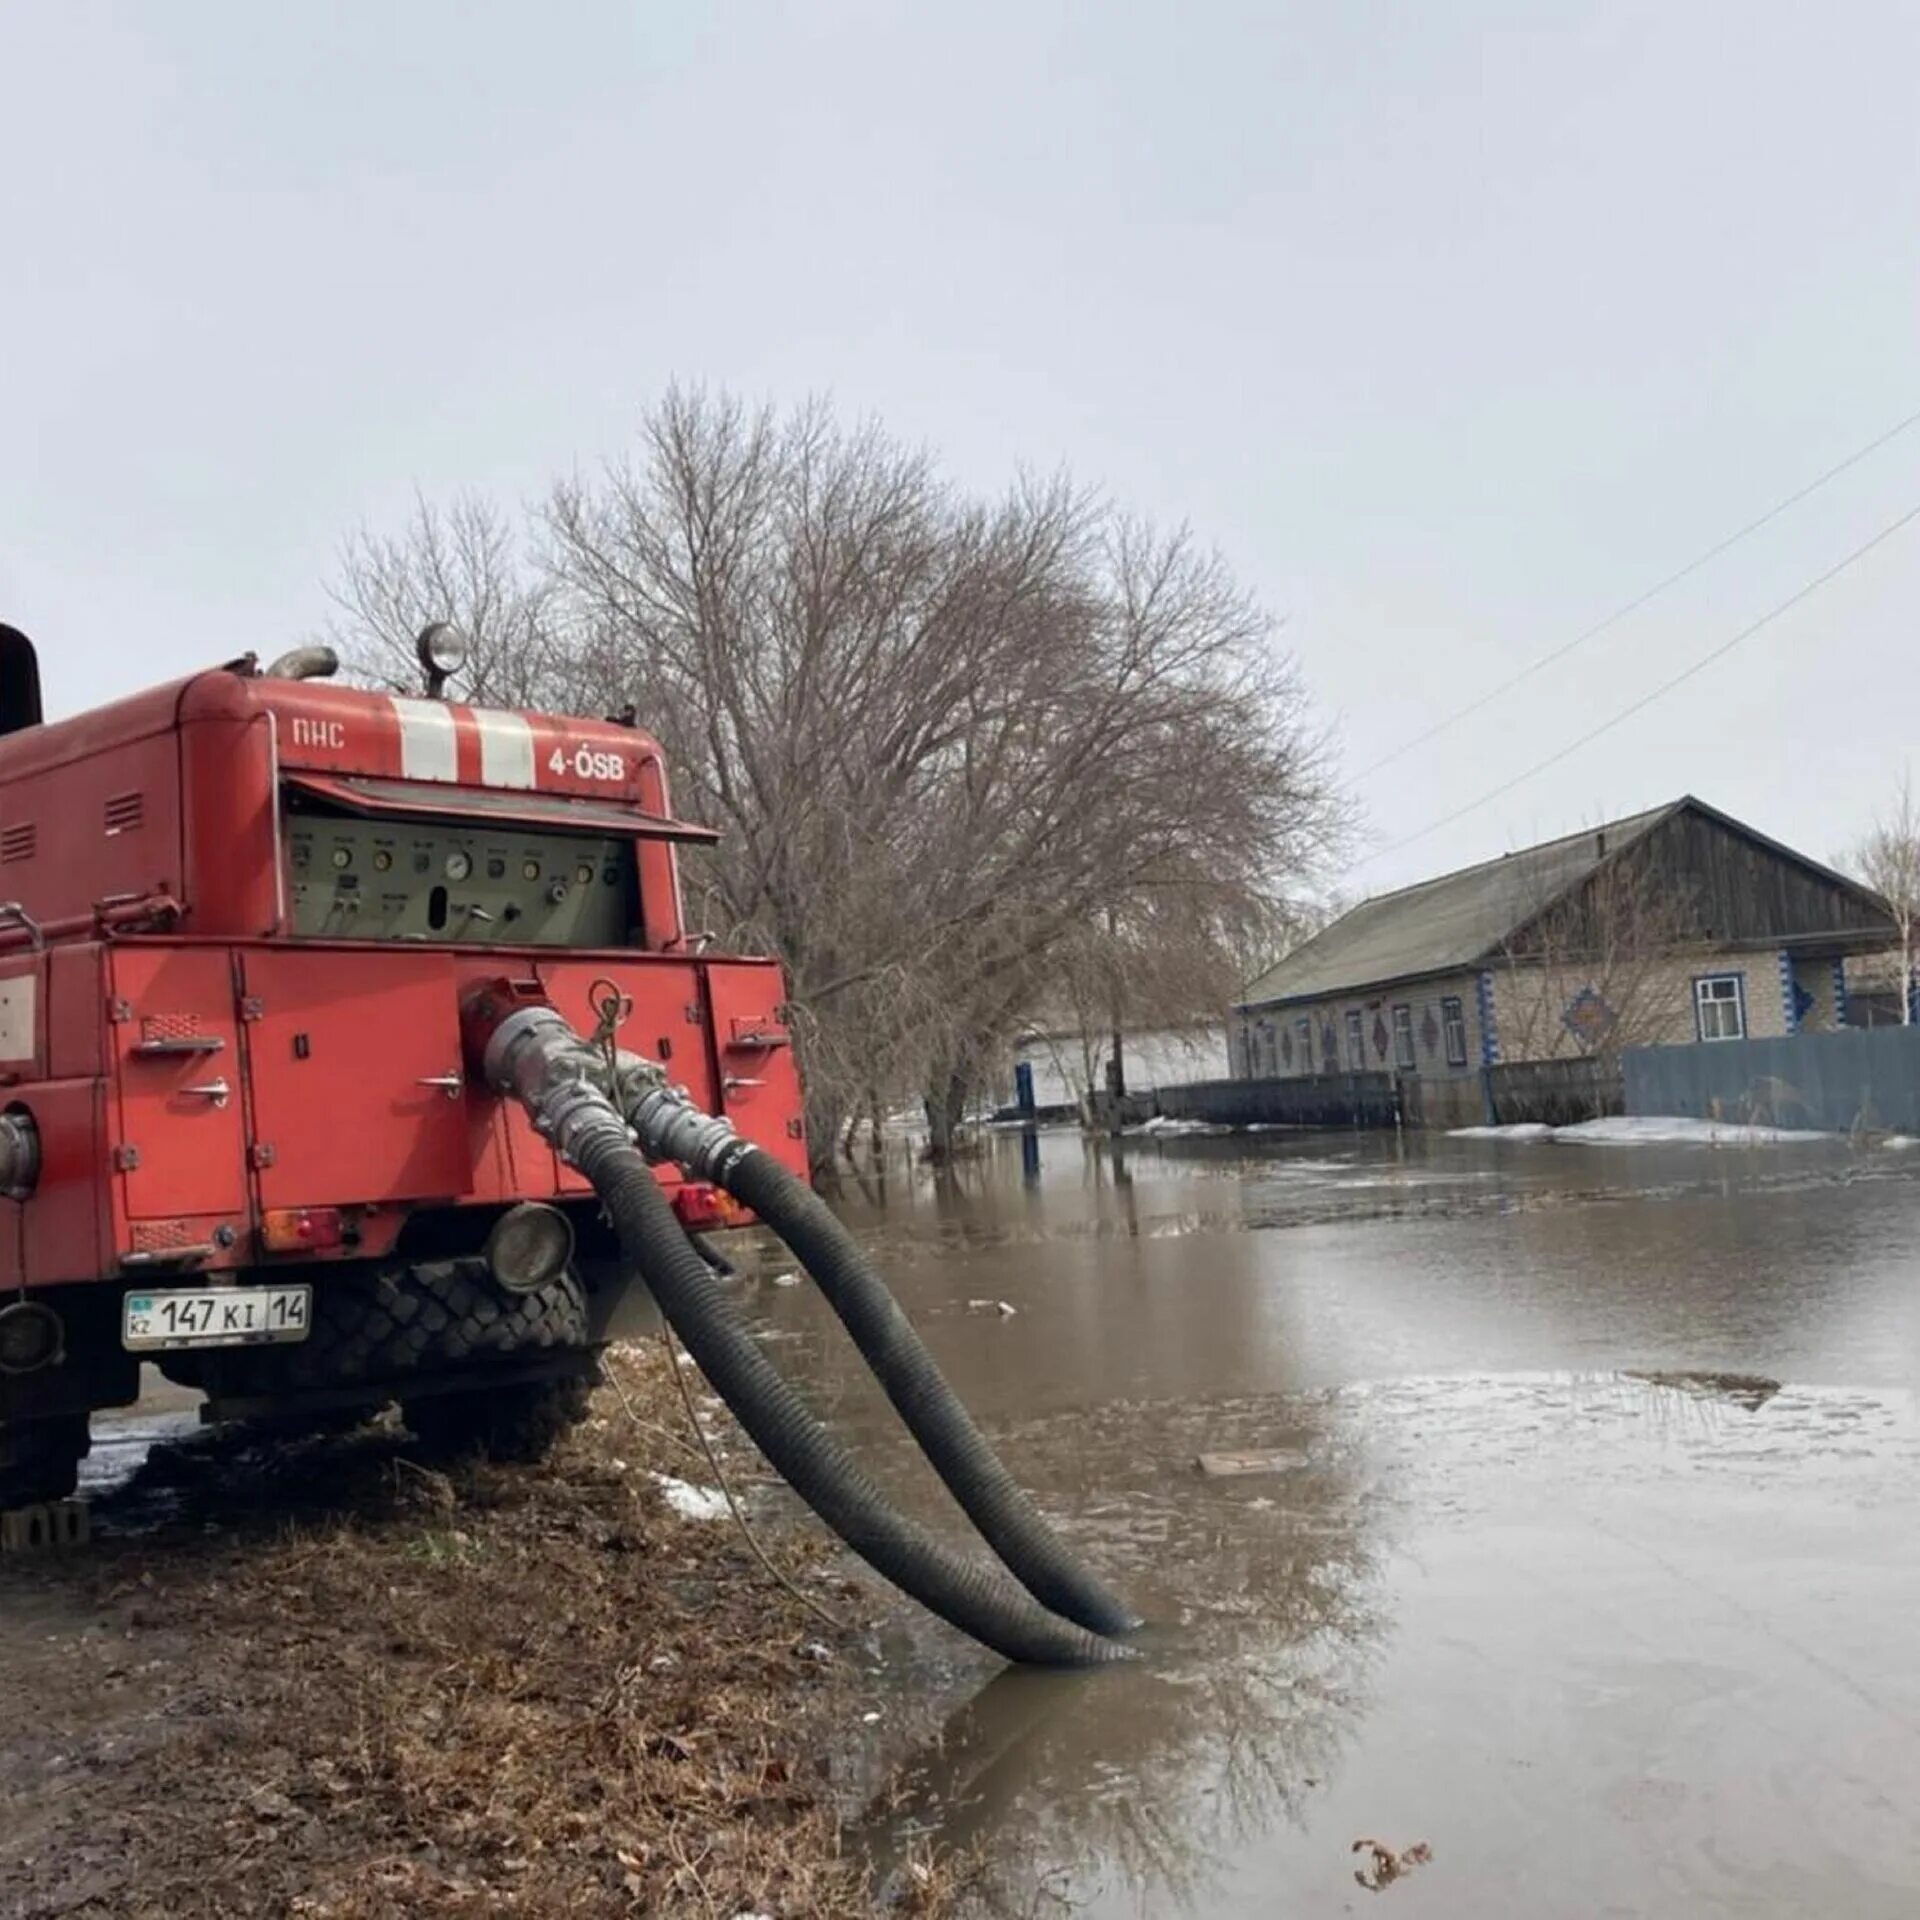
(331, 1683)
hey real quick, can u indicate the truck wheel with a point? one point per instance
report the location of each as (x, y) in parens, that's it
(518, 1422)
(382, 1326)
(40, 1459)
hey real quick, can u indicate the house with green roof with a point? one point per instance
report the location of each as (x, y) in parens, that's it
(1679, 925)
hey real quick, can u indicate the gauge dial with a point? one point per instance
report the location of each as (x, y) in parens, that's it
(459, 865)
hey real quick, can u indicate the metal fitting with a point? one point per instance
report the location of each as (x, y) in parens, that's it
(574, 1095)
(668, 1126)
(574, 1113)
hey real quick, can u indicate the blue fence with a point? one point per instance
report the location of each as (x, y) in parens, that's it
(1312, 1100)
(1867, 1077)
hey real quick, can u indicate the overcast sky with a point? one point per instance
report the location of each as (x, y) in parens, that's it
(1452, 325)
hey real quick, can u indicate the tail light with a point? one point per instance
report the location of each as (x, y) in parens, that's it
(696, 1205)
(301, 1229)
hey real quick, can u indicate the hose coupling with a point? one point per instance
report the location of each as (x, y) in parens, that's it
(572, 1113)
(668, 1126)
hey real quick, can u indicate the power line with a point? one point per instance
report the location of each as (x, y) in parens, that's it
(1639, 600)
(1646, 700)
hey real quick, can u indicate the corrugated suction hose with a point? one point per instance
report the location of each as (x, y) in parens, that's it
(532, 1053)
(967, 1596)
(935, 1415)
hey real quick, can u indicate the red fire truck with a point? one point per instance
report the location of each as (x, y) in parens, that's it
(238, 916)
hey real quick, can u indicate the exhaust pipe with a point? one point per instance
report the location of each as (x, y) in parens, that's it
(305, 663)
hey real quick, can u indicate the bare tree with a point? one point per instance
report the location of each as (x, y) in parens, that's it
(1594, 971)
(947, 740)
(1888, 860)
(462, 563)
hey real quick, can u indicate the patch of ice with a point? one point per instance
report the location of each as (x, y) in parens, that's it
(1638, 1130)
(1647, 1130)
(689, 1501)
(1166, 1123)
(1898, 1140)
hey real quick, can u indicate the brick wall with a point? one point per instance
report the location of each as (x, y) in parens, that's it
(1290, 1042)
(1530, 1009)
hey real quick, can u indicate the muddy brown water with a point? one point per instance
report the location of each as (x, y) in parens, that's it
(1589, 1556)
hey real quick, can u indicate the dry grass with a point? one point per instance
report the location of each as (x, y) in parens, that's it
(526, 1692)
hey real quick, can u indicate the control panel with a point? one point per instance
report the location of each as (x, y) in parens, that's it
(364, 878)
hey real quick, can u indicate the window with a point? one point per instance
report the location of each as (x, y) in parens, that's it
(1303, 1039)
(1720, 1006)
(1356, 1042)
(1454, 1020)
(1403, 1039)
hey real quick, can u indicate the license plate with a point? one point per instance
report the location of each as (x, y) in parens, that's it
(215, 1317)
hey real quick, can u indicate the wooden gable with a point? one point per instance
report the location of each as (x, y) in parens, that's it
(1698, 877)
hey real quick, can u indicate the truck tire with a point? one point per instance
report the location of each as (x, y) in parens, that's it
(40, 1459)
(520, 1422)
(373, 1327)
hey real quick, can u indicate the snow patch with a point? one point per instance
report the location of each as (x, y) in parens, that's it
(1901, 1140)
(1656, 1130)
(689, 1501)
(1649, 1130)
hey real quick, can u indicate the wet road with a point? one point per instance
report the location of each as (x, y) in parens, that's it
(1587, 1550)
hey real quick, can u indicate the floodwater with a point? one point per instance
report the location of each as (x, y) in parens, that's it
(1584, 1549)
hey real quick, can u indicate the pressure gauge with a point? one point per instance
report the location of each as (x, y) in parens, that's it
(459, 865)
(382, 861)
(584, 874)
(530, 870)
(343, 856)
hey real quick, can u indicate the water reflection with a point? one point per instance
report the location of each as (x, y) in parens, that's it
(1268, 1614)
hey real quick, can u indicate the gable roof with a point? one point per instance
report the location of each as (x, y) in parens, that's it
(1456, 921)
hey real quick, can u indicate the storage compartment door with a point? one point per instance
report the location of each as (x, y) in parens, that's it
(358, 1092)
(182, 1145)
(759, 1086)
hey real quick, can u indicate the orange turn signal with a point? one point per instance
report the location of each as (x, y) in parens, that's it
(300, 1229)
(697, 1205)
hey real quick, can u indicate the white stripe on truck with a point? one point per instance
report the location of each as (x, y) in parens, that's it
(429, 747)
(506, 748)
